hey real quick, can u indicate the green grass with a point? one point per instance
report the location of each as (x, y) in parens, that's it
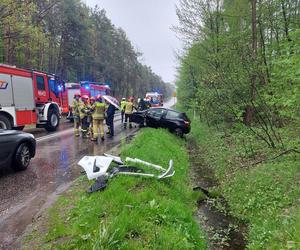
(265, 195)
(133, 212)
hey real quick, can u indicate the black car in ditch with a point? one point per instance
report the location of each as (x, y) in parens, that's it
(175, 121)
(16, 149)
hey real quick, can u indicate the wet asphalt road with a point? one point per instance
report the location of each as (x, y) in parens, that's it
(23, 195)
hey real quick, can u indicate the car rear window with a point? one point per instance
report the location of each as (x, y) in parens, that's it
(184, 116)
(173, 115)
(156, 112)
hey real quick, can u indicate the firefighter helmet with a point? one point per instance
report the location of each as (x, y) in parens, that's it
(92, 99)
(85, 98)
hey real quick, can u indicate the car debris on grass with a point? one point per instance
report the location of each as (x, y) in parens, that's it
(108, 166)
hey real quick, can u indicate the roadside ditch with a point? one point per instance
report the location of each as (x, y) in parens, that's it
(213, 214)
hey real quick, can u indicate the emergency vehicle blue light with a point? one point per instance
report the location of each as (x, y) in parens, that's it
(59, 88)
(87, 87)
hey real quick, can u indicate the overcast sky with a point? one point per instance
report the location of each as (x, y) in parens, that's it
(147, 24)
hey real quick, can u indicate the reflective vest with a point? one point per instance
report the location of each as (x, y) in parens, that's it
(123, 104)
(83, 109)
(128, 108)
(90, 110)
(98, 111)
(75, 107)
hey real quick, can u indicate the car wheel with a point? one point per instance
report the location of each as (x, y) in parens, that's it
(179, 132)
(5, 122)
(22, 157)
(53, 120)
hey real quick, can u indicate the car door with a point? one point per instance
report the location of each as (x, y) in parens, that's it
(7, 144)
(138, 117)
(154, 116)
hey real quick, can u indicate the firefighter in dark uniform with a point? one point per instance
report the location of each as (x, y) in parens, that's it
(142, 105)
(84, 111)
(110, 113)
(76, 113)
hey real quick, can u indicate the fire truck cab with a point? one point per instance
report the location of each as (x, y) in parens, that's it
(29, 97)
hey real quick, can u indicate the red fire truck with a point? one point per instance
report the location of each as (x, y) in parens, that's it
(29, 97)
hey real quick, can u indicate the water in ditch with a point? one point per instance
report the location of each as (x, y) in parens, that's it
(223, 230)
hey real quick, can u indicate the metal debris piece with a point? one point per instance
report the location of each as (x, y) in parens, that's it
(166, 172)
(116, 159)
(135, 160)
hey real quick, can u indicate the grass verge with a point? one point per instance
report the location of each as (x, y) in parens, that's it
(133, 212)
(266, 195)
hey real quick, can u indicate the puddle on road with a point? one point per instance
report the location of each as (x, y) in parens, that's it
(223, 230)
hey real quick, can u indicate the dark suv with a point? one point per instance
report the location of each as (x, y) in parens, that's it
(173, 120)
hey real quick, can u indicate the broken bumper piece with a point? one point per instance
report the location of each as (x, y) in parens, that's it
(169, 172)
(96, 166)
(101, 169)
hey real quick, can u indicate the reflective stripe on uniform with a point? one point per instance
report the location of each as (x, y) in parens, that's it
(99, 110)
(128, 108)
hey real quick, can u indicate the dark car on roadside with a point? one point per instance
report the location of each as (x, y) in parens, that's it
(16, 149)
(171, 119)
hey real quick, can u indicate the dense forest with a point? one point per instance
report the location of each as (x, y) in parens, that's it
(239, 79)
(242, 63)
(74, 41)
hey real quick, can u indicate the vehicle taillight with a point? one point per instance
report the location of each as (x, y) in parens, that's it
(187, 123)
